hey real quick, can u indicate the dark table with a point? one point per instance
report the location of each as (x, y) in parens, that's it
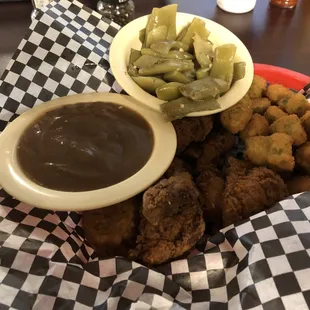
(274, 36)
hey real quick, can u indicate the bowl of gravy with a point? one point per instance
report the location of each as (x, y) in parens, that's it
(84, 152)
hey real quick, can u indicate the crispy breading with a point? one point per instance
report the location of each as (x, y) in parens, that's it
(260, 105)
(276, 92)
(236, 118)
(258, 87)
(291, 125)
(273, 113)
(258, 126)
(303, 157)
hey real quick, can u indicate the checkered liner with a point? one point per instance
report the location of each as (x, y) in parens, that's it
(45, 263)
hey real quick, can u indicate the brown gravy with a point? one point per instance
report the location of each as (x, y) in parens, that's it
(85, 146)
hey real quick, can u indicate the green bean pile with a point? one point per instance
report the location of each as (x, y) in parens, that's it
(186, 70)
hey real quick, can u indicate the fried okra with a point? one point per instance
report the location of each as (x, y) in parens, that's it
(303, 157)
(258, 126)
(258, 87)
(274, 151)
(273, 113)
(290, 125)
(297, 104)
(276, 92)
(260, 105)
(305, 120)
(236, 118)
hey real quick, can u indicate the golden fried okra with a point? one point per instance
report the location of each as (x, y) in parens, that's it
(297, 104)
(303, 157)
(273, 113)
(258, 126)
(290, 125)
(274, 151)
(258, 87)
(305, 120)
(236, 118)
(260, 105)
(276, 92)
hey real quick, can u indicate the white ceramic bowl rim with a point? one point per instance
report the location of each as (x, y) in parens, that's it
(14, 181)
(128, 37)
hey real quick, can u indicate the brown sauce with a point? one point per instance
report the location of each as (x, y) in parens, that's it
(85, 146)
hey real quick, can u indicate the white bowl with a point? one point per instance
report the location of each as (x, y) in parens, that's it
(16, 183)
(128, 37)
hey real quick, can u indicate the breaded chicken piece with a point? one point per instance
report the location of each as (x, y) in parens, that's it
(211, 186)
(296, 104)
(299, 184)
(236, 168)
(274, 151)
(191, 129)
(258, 87)
(258, 126)
(178, 166)
(276, 92)
(172, 220)
(305, 121)
(236, 118)
(216, 145)
(254, 192)
(260, 105)
(303, 157)
(273, 113)
(290, 125)
(112, 231)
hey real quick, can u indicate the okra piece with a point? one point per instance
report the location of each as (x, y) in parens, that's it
(148, 83)
(142, 36)
(223, 63)
(202, 73)
(182, 106)
(201, 89)
(146, 61)
(167, 66)
(239, 71)
(170, 55)
(156, 35)
(164, 47)
(165, 16)
(177, 76)
(169, 91)
(203, 51)
(197, 26)
(134, 56)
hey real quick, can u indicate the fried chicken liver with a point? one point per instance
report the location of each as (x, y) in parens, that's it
(172, 220)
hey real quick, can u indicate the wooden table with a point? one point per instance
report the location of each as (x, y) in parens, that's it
(274, 36)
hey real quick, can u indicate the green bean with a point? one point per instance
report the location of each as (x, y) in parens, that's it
(177, 76)
(146, 61)
(149, 84)
(201, 89)
(132, 70)
(156, 35)
(183, 32)
(142, 36)
(167, 66)
(203, 51)
(223, 63)
(170, 55)
(197, 26)
(164, 47)
(202, 73)
(239, 71)
(169, 91)
(222, 85)
(180, 107)
(191, 74)
(165, 16)
(134, 55)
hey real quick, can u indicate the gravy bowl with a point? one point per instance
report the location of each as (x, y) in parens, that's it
(19, 185)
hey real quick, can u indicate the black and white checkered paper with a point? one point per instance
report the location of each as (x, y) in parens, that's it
(45, 263)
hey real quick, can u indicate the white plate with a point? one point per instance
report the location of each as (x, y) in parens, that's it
(15, 182)
(128, 37)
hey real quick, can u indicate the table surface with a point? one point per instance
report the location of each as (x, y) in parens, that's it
(273, 35)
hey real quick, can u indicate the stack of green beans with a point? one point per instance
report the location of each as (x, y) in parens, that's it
(186, 70)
